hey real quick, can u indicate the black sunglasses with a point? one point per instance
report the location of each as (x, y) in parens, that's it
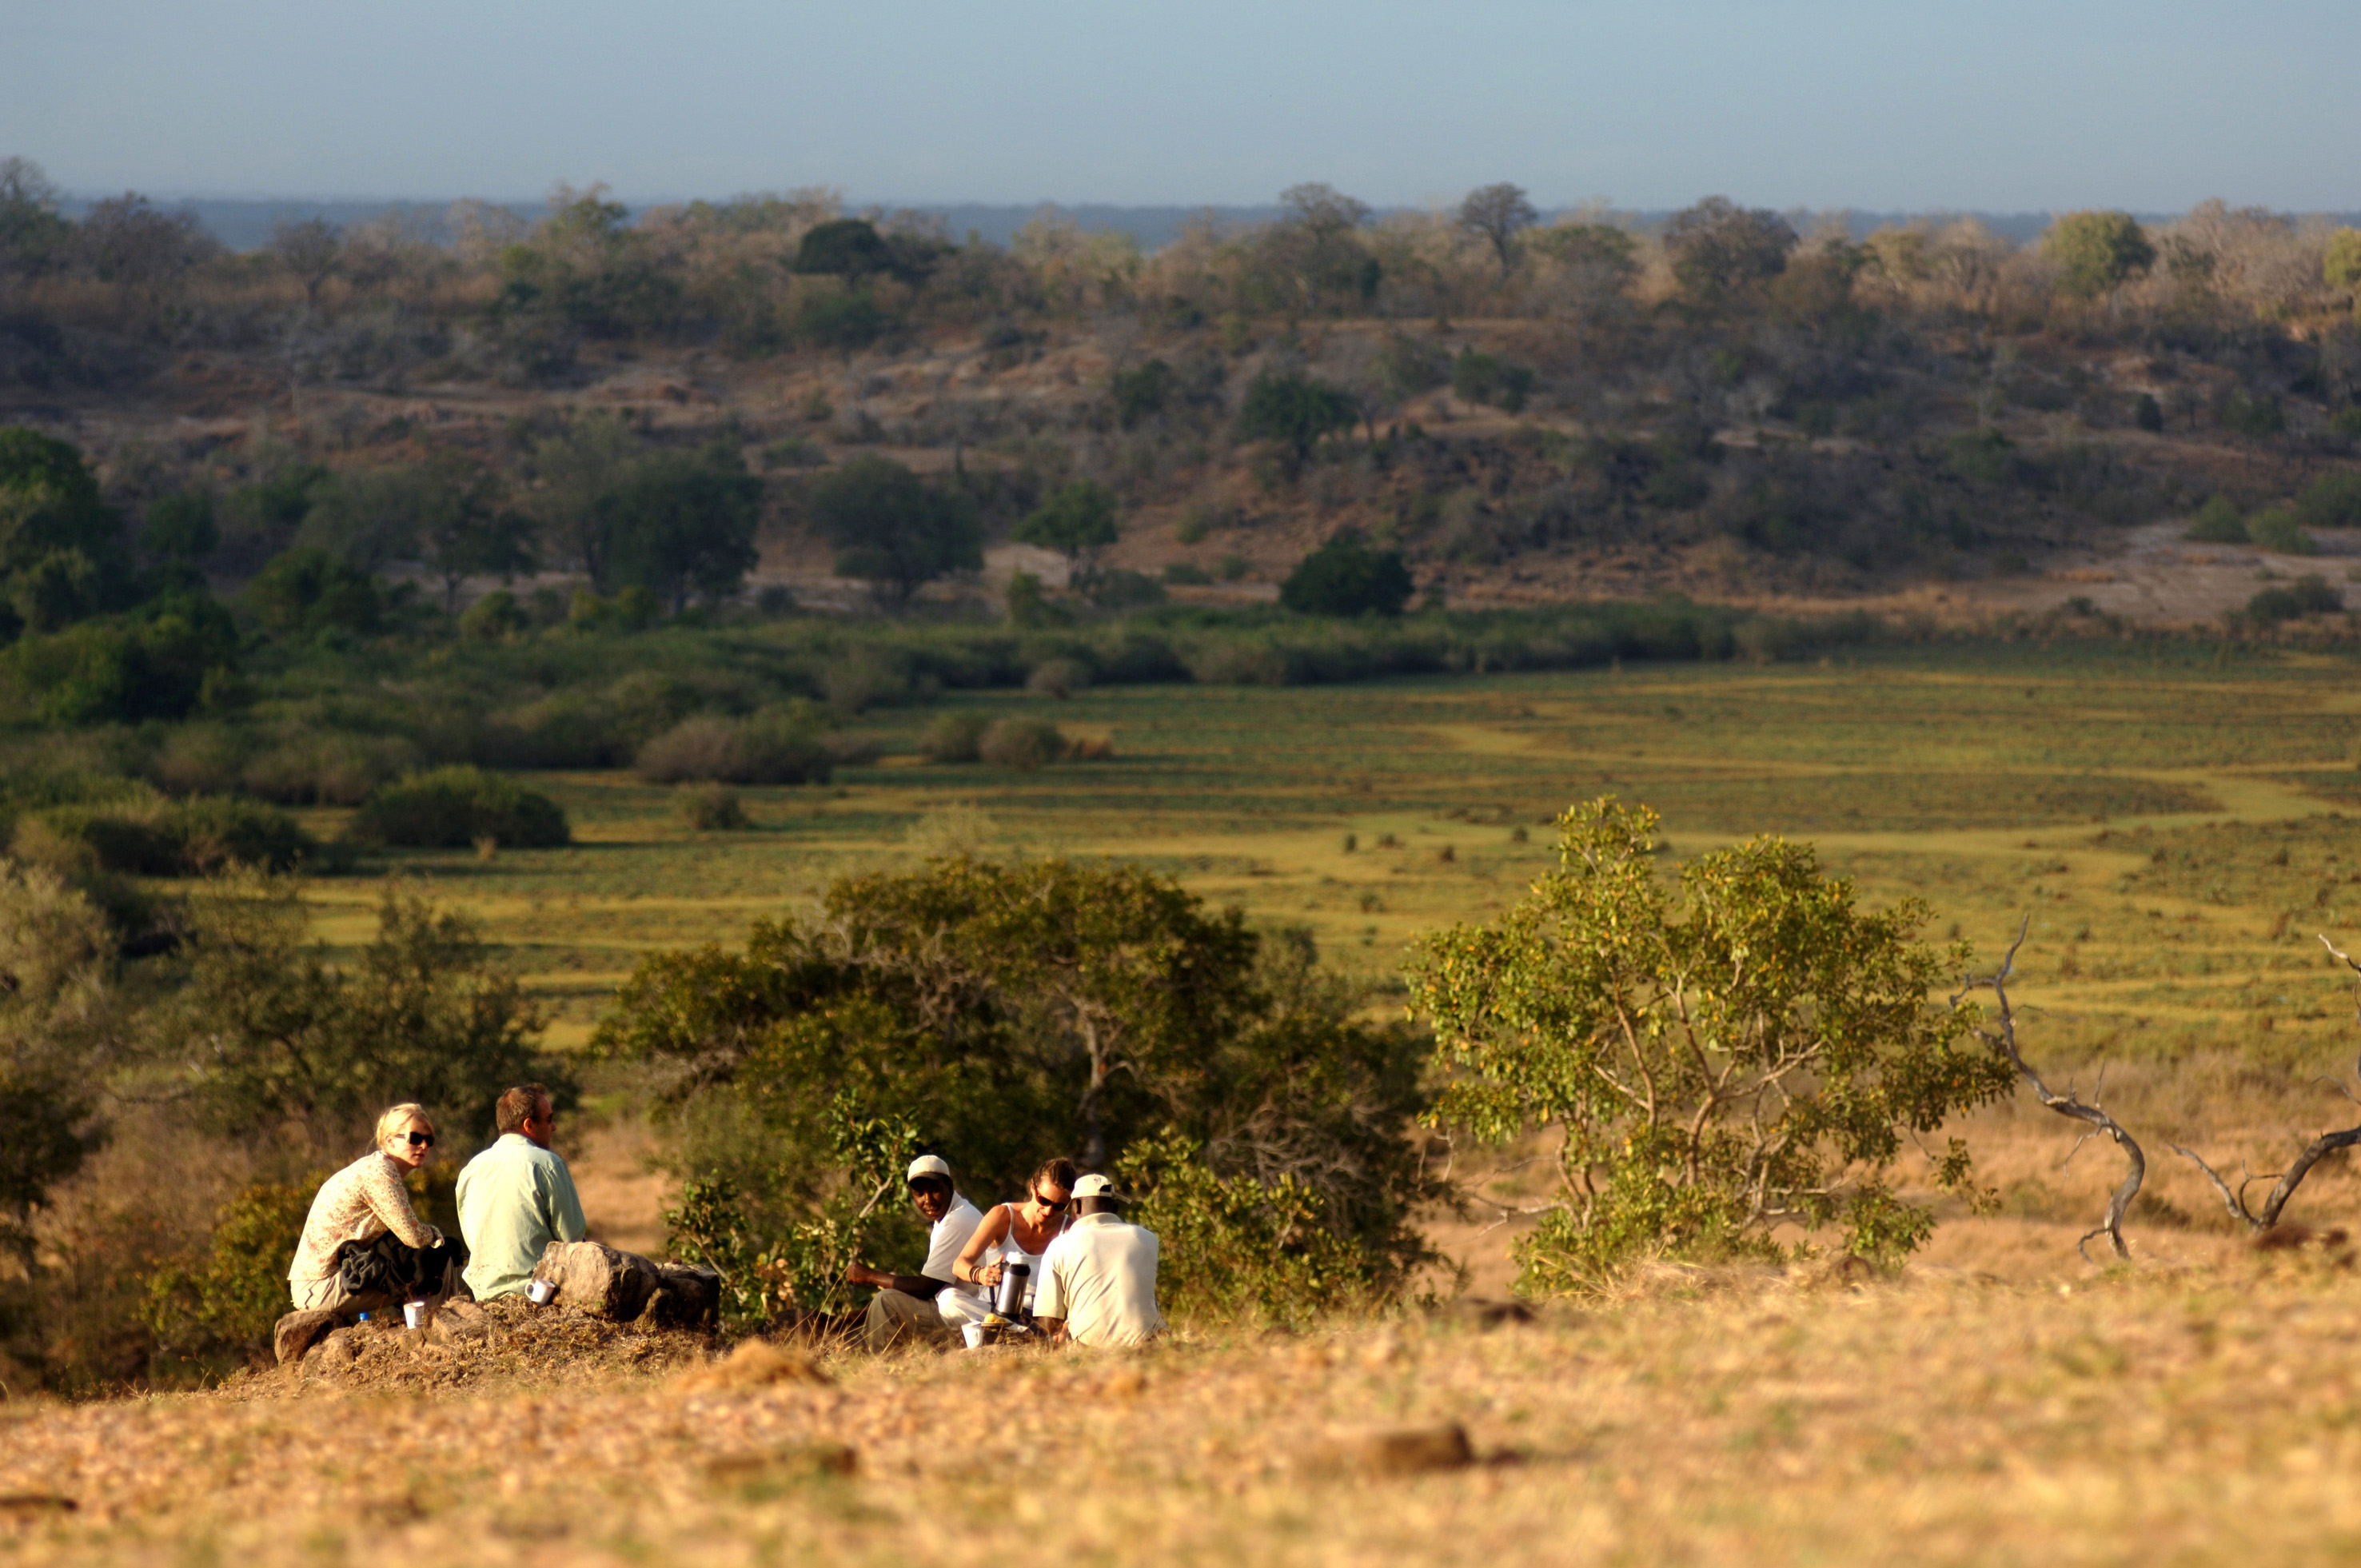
(1052, 1205)
(422, 1140)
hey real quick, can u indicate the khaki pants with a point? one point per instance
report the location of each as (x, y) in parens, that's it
(896, 1318)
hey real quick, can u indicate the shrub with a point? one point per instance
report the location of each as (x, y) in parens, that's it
(327, 769)
(1186, 573)
(1785, 1038)
(2275, 529)
(1346, 576)
(151, 663)
(2217, 522)
(712, 809)
(2256, 418)
(2332, 500)
(1233, 1248)
(164, 838)
(2308, 594)
(495, 616)
(1058, 677)
(1482, 378)
(1122, 588)
(310, 590)
(450, 808)
(226, 1305)
(1023, 744)
(953, 737)
(770, 747)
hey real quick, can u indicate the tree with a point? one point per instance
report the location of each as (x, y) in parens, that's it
(575, 471)
(1008, 1013)
(1313, 256)
(2340, 259)
(2098, 253)
(57, 1006)
(1296, 410)
(61, 550)
(683, 522)
(1744, 1058)
(33, 237)
(850, 248)
(1718, 249)
(1346, 576)
(1078, 521)
(311, 252)
(127, 242)
(466, 531)
(307, 589)
(1494, 213)
(370, 517)
(269, 1036)
(891, 528)
(181, 527)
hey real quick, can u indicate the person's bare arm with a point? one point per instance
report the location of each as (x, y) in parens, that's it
(987, 1235)
(920, 1285)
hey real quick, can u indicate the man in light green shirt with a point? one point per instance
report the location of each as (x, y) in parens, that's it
(517, 1196)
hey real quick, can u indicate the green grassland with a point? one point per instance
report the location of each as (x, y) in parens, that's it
(2170, 820)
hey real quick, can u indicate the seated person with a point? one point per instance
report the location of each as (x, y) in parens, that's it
(1098, 1286)
(910, 1306)
(517, 1196)
(364, 1247)
(1012, 1233)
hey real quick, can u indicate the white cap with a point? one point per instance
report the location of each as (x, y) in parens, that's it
(928, 1165)
(1094, 1186)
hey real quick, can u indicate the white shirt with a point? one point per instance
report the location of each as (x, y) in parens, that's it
(947, 1240)
(1100, 1277)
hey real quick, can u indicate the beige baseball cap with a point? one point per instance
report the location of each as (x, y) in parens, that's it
(928, 1165)
(1094, 1186)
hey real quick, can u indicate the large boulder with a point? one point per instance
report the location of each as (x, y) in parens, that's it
(599, 1280)
(299, 1331)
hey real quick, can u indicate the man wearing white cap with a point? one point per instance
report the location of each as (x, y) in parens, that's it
(907, 1305)
(1098, 1280)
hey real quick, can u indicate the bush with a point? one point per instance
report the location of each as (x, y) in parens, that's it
(771, 748)
(1122, 588)
(494, 616)
(308, 589)
(197, 837)
(2256, 418)
(712, 809)
(2332, 500)
(1058, 677)
(1824, 1049)
(2217, 522)
(450, 808)
(2275, 529)
(1346, 576)
(1482, 378)
(953, 737)
(1186, 573)
(2308, 594)
(152, 663)
(224, 1307)
(1023, 744)
(1233, 1249)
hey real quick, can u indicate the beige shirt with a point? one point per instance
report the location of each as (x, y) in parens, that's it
(359, 1203)
(1100, 1277)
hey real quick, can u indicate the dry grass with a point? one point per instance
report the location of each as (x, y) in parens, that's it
(2191, 1414)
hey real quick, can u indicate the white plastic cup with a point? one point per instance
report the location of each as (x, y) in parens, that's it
(541, 1292)
(973, 1334)
(413, 1315)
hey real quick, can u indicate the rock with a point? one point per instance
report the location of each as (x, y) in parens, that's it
(1392, 1451)
(690, 1297)
(757, 1363)
(333, 1353)
(596, 1279)
(299, 1331)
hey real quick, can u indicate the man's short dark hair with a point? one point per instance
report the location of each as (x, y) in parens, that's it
(517, 1106)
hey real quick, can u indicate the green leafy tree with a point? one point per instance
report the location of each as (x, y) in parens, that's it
(57, 1020)
(181, 527)
(1720, 250)
(35, 237)
(309, 590)
(62, 548)
(267, 1034)
(1295, 411)
(682, 523)
(891, 528)
(1714, 1067)
(1078, 520)
(2098, 253)
(851, 248)
(222, 1307)
(1346, 576)
(2340, 259)
(151, 663)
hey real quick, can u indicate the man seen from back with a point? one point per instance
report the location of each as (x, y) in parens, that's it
(517, 1196)
(1098, 1280)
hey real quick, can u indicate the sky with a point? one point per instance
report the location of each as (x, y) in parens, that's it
(2003, 106)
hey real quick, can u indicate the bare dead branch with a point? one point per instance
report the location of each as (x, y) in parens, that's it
(2320, 1148)
(2069, 1104)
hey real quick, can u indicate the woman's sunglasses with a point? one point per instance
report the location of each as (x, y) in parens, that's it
(1052, 1206)
(422, 1140)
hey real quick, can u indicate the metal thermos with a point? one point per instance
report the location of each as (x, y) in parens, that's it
(1012, 1288)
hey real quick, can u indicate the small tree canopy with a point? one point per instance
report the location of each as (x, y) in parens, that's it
(1494, 213)
(851, 248)
(1078, 520)
(1719, 249)
(1296, 409)
(1346, 576)
(1744, 1056)
(2098, 253)
(891, 528)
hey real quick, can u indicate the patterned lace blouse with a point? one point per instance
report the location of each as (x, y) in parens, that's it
(359, 1203)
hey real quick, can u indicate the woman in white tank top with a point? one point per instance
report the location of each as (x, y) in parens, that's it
(1019, 1233)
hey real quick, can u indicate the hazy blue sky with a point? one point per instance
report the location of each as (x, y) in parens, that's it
(1999, 105)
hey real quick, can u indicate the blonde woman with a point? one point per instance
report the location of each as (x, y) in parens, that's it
(364, 1246)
